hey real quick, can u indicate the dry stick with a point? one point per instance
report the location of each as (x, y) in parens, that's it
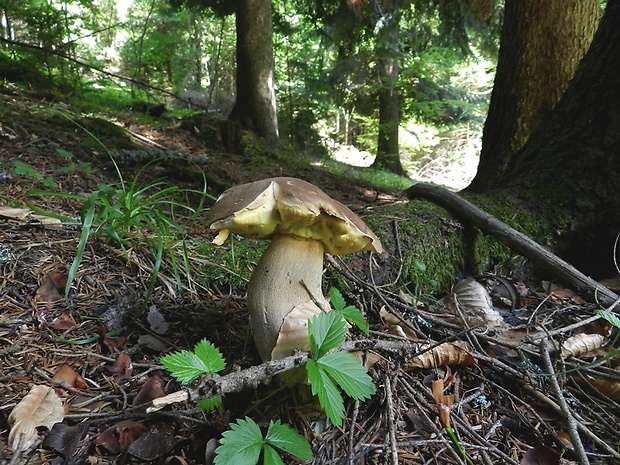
(389, 405)
(515, 240)
(566, 411)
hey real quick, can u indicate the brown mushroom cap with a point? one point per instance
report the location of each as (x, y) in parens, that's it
(284, 205)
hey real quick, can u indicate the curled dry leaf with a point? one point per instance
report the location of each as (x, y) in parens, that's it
(119, 437)
(606, 387)
(122, 367)
(68, 378)
(153, 388)
(395, 326)
(581, 344)
(63, 322)
(40, 407)
(447, 353)
(474, 303)
(541, 455)
(64, 439)
(294, 330)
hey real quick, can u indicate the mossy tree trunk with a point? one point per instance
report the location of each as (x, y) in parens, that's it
(541, 46)
(255, 105)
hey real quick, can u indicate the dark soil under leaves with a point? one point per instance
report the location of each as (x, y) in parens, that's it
(505, 403)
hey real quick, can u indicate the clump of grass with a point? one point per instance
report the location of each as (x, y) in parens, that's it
(130, 214)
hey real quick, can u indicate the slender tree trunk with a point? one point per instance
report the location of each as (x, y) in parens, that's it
(388, 156)
(542, 44)
(255, 107)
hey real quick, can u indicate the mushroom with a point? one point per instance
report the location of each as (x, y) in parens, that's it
(303, 223)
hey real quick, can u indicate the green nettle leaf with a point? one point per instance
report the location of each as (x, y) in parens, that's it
(241, 445)
(327, 392)
(326, 330)
(349, 374)
(210, 355)
(185, 366)
(289, 440)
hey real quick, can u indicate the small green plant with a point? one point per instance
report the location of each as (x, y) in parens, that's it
(330, 373)
(424, 284)
(24, 169)
(244, 444)
(186, 366)
(351, 313)
(129, 213)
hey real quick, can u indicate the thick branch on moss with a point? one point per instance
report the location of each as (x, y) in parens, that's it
(517, 241)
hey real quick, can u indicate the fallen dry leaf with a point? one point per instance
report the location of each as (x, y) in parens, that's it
(581, 343)
(119, 437)
(474, 303)
(122, 367)
(448, 353)
(64, 439)
(40, 407)
(153, 388)
(63, 322)
(68, 378)
(541, 455)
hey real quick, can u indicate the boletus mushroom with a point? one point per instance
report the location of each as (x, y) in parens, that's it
(302, 223)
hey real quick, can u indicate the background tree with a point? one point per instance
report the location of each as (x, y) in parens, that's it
(541, 46)
(255, 105)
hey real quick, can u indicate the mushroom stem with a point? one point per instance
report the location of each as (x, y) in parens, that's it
(288, 274)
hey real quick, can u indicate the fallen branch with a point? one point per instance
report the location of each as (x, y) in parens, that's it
(517, 241)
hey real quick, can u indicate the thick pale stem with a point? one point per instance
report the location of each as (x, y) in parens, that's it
(288, 274)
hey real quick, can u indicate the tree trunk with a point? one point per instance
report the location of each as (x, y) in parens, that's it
(388, 156)
(255, 106)
(542, 44)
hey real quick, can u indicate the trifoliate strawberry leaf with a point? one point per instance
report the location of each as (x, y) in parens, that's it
(326, 332)
(348, 373)
(336, 299)
(354, 316)
(271, 456)
(240, 445)
(286, 438)
(611, 317)
(210, 403)
(185, 366)
(210, 355)
(327, 392)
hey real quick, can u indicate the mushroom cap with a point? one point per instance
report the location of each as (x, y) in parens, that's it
(264, 208)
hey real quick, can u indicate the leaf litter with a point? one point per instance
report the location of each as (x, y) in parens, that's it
(504, 407)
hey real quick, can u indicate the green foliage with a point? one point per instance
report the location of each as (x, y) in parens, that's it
(244, 443)
(24, 169)
(351, 313)
(609, 316)
(329, 373)
(186, 366)
(423, 284)
(130, 214)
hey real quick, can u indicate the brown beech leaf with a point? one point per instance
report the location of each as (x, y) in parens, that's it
(395, 326)
(68, 378)
(118, 438)
(122, 367)
(63, 322)
(111, 343)
(40, 407)
(152, 445)
(64, 439)
(581, 344)
(607, 387)
(153, 388)
(447, 353)
(475, 304)
(48, 292)
(541, 455)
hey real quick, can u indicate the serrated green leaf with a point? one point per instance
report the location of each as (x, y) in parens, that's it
(326, 330)
(185, 366)
(326, 391)
(609, 316)
(210, 355)
(271, 456)
(349, 374)
(210, 403)
(354, 315)
(240, 445)
(336, 299)
(289, 440)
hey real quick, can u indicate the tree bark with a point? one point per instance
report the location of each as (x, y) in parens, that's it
(542, 44)
(255, 106)
(388, 156)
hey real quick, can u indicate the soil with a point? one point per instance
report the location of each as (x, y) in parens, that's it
(99, 347)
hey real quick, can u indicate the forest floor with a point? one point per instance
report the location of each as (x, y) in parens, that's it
(517, 392)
